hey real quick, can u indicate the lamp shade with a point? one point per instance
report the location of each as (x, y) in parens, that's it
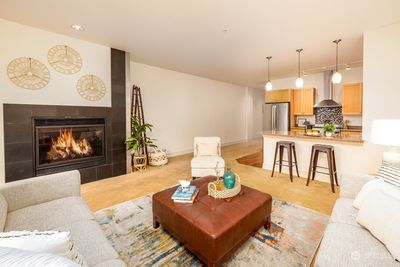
(385, 132)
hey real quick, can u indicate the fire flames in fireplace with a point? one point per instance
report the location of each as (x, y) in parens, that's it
(68, 147)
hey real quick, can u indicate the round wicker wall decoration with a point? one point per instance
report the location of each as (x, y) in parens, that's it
(28, 73)
(91, 87)
(64, 59)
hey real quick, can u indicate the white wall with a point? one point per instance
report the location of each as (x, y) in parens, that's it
(22, 41)
(354, 75)
(381, 75)
(255, 99)
(182, 106)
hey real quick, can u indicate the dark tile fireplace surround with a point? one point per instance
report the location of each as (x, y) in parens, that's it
(41, 139)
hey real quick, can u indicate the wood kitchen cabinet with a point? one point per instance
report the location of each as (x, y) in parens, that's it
(352, 98)
(277, 96)
(303, 101)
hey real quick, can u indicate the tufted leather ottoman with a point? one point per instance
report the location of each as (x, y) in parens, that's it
(212, 229)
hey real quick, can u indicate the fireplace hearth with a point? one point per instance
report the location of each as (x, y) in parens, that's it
(64, 144)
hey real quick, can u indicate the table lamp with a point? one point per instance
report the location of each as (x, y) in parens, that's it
(387, 132)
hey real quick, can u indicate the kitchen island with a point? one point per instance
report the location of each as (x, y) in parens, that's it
(348, 151)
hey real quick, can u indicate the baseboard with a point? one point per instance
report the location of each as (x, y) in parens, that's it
(190, 151)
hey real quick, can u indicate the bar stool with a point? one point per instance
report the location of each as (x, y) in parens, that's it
(330, 154)
(291, 149)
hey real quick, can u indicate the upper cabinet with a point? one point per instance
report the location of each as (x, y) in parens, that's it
(303, 101)
(277, 96)
(352, 98)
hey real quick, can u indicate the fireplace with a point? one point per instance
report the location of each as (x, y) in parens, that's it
(63, 144)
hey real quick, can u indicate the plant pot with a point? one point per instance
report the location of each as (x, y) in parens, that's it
(139, 162)
(328, 134)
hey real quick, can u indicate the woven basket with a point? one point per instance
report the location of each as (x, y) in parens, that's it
(158, 157)
(224, 192)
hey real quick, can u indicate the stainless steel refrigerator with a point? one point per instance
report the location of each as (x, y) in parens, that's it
(276, 117)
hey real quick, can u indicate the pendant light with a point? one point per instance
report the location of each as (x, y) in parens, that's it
(337, 77)
(268, 85)
(299, 80)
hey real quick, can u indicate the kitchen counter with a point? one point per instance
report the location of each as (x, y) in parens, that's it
(344, 138)
(349, 150)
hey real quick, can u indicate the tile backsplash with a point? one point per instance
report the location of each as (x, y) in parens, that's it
(326, 114)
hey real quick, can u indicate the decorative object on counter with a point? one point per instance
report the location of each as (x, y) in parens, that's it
(299, 81)
(329, 129)
(217, 189)
(91, 87)
(301, 121)
(229, 179)
(268, 85)
(138, 142)
(64, 59)
(28, 73)
(158, 157)
(330, 155)
(346, 124)
(386, 132)
(337, 77)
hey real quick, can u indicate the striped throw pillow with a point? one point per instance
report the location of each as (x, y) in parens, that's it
(390, 173)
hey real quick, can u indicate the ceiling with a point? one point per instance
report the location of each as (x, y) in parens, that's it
(225, 40)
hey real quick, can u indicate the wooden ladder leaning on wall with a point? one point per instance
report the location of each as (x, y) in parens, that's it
(137, 110)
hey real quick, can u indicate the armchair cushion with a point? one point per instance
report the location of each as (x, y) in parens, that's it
(204, 149)
(208, 162)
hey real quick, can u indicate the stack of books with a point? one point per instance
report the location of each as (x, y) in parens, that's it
(186, 195)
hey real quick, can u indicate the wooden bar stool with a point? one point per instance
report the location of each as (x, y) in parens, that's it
(330, 154)
(291, 150)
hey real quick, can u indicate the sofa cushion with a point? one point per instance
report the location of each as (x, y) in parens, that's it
(208, 162)
(344, 212)
(111, 263)
(90, 241)
(3, 212)
(374, 185)
(347, 245)
(380, 214)
(48, 215)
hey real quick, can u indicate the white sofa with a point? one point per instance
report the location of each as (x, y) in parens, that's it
(345, 242)
(54, 202)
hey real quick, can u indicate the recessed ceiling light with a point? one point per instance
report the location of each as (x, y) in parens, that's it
(77, 27)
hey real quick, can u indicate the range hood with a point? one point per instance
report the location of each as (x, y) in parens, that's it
(328, 101)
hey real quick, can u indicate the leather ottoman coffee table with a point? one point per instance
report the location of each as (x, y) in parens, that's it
(210, 228)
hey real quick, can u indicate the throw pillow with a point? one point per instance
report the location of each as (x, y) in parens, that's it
(390, 173)
(12, 257)
(53, 242)
(204, 149)
(380, 214)
(374, 185)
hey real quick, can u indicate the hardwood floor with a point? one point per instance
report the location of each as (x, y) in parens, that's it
(108, 192)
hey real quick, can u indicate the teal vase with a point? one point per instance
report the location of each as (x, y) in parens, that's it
(229, 179)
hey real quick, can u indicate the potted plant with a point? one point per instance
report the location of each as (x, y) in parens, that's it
(329, 129)
(137, 142)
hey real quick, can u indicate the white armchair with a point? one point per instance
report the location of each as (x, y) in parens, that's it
(207, 158)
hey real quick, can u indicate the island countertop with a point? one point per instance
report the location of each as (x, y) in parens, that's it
(344, 138)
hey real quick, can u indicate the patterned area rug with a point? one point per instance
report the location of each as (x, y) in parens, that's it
(292, 239)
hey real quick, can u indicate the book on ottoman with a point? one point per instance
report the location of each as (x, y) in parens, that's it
(184, 195)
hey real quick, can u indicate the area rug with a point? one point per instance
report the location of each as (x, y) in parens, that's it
(292, 239)
(255, 159)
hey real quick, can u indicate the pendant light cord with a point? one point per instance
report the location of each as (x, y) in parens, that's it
(337, 53)
(268, 58)
(299, 51)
